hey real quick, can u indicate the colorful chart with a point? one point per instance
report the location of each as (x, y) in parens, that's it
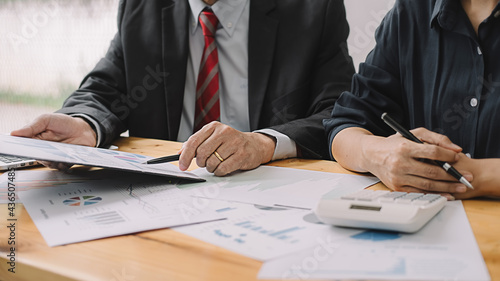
(377, 235)
(82, 200)
(130, 157)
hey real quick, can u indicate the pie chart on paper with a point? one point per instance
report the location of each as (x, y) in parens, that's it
(82, 200)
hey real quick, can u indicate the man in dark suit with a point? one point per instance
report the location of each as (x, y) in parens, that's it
(281, 65)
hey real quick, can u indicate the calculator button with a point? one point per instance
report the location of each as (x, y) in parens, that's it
(408, 198)
(351, 196)
(426, 199)
(391, 196)
(365, 196)
(433, 197)
(420, 202)
(348, 197)
(369, 195)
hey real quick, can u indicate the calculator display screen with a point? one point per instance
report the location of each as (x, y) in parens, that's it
(368, 208)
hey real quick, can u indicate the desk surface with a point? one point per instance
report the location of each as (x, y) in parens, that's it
(168, 255)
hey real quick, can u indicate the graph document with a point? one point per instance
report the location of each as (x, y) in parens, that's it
(262, 232)
(89, 156)
(277, 186)
(81, 211)
(28, 179)
(445, 249)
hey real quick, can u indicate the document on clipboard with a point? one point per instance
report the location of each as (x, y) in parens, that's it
(89, 156)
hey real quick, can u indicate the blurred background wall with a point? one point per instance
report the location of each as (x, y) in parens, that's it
(48, 46)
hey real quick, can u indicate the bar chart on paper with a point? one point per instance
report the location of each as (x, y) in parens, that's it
(283, 234)
(84, 211)
(444, 249)
(101, 218)
(263, 232)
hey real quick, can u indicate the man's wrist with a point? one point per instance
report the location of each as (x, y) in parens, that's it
(93, 125)
(266, 145)
(89, 130)
(284, 147)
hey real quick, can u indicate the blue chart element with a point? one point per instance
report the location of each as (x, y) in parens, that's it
(280, 234)
(219, 233)
(108, 151)
(225, 210)
(284, 231)
(376, 236)
(312, 218)
(267, 208)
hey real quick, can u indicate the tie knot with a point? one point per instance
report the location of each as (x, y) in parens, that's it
(209, 22)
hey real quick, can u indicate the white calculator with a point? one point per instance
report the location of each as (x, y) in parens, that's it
(380, 209)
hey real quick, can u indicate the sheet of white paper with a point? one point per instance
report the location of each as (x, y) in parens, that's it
(278, 186)
(445, 249)
(82, 211)
(89, 156)
(262, 232)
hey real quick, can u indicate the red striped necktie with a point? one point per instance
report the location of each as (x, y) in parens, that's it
(207, 86)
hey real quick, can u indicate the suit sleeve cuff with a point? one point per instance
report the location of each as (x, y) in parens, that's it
(93, 123)
(285, 147)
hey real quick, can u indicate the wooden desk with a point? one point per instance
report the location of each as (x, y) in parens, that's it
(169, 255)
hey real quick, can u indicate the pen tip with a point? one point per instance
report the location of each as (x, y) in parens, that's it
(466, 182)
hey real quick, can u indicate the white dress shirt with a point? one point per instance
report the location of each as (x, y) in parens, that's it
(232, 45)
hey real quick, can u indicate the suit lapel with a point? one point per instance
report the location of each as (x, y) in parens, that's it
(261, 47)
(175, 55)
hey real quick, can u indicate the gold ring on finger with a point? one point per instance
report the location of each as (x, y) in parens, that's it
(218, 156)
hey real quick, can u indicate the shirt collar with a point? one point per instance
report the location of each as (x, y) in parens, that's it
(445, 14)
(437, 8)
(227, 11)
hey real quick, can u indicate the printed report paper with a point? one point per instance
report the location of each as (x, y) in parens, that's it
(278, 186)
(89, 156)
(445, 249)
(82, 211)
(263, 232)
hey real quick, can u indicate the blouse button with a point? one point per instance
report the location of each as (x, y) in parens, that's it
(473, 102)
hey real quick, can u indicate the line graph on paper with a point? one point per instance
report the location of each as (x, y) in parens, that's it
(137, 194)
(107, 207)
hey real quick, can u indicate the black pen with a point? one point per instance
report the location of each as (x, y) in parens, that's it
(407, 134)
(165, 159)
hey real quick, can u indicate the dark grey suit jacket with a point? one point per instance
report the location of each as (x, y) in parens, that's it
(298, 66)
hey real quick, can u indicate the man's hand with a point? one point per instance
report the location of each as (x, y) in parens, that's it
(61, 128)
(238, 150)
